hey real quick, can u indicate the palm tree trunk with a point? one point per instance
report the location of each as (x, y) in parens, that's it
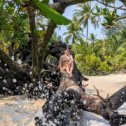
(87, 30)
(32, 24)
(73, 40)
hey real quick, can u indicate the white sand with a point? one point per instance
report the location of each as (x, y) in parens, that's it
(108, 84)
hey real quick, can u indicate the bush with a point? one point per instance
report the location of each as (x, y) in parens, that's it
(105, 68)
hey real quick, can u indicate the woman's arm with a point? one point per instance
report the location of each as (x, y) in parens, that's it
(61, 64)
(71, 66)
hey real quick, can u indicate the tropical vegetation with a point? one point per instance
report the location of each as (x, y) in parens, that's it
(31, 24)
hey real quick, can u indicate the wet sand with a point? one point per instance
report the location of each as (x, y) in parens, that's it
(20, 111)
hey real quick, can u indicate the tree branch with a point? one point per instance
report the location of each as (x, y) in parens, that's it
(31, 13)
(62, 4)
(2, 72)
(69, 91)
(120, 18)
(120, 8)
(12, 65)
(118, 98)
(43, 45)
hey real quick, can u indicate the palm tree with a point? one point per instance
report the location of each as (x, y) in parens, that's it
(84, 13)
(92, 38)
(74, 31)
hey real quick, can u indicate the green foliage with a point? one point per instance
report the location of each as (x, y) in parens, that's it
(99, 56)
(105, 68)
(74, 32)
(102, 56)
(85, 14)
(109, 17)
(105, 16)
(48, 12)
(13, 24)
(92, 56)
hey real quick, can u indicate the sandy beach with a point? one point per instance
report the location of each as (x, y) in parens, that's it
(108, 84)
(20, 111)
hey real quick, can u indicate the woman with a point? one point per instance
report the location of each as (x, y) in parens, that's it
(66, 63)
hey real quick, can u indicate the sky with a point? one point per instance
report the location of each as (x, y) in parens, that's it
(69, 14)
(98, 32)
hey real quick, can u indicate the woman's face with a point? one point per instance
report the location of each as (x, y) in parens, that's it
(67, 52)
